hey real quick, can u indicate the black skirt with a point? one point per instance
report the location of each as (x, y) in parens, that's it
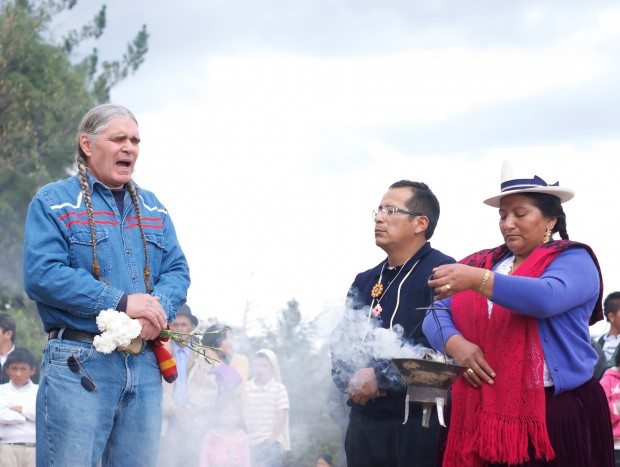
(579, 428)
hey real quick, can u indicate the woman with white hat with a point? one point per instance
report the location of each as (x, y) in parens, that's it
(517, 316)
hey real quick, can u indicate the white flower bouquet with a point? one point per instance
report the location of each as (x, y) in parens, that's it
(120, 332)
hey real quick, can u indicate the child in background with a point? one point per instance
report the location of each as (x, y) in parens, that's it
(18, 400)
(611, 385)
(233, 371)
(266, 407)
(325, 460)
(229, 380)
(236, 360)
(226, 444)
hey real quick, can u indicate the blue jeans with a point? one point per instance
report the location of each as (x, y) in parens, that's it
(119, 423)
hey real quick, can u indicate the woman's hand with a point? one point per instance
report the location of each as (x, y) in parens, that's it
(469, 354)
(449, 279)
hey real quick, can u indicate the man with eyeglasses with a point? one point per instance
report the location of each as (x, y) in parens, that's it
(387, 296)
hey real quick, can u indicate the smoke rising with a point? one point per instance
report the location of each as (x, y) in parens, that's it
(360, 337)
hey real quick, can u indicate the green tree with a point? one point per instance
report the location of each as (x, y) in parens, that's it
(43, 95)
(28, 325)
(305, 366)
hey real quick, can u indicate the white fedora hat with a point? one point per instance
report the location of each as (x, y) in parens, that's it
(515, 181)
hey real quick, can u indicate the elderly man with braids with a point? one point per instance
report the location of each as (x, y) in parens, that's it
(97, 241)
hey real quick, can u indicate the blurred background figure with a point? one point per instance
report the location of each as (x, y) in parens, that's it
(220, 337)
(184, 322)
(601, 364)
(608, 342)
(18, 400)
(611, 385)
(226, 444)
(339, 413)
(266, 407)
(324, 460)
(7, 343)
(228, 379)
(189, 402)
(238, 361)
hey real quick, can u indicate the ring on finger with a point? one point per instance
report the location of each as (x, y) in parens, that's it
(470, 372)
(448, 287)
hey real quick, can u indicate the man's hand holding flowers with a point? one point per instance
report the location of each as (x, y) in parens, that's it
(147, 310)
(118, 329)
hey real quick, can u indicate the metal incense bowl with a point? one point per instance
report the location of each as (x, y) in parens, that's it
(428, 382)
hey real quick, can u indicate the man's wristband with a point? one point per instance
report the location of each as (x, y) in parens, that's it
(484, 281)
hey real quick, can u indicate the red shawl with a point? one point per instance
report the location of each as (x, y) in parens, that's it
(494, 423)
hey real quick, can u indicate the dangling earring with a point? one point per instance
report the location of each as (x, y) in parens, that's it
(547, 236)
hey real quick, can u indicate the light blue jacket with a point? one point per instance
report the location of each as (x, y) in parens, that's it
(561, 300)
(58, 254)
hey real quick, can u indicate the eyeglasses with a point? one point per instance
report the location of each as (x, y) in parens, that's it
(75, 366)
(390, 210)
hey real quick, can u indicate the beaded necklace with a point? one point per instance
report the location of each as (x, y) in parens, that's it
(377, 293)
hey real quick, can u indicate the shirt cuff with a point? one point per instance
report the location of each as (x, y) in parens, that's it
(122, 303)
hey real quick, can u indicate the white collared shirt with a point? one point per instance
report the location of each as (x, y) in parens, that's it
(18, 427)
(609, 346)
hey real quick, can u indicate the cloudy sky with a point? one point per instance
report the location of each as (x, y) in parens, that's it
(271, 129)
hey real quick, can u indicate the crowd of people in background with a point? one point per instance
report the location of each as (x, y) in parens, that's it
(215, 411)
(610, 362)
(18, 396)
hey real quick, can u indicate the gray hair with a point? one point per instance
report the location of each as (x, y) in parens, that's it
(93, 123)
(96, 120)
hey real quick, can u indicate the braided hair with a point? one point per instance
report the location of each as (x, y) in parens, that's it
(94, 122)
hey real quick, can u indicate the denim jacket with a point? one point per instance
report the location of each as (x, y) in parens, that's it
(58, 254)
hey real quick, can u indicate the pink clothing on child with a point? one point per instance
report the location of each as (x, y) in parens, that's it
(611, 385)
(225, 449)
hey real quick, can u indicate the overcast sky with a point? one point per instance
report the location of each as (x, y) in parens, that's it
(271, 129)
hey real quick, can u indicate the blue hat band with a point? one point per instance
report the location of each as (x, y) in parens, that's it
(524, 183)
